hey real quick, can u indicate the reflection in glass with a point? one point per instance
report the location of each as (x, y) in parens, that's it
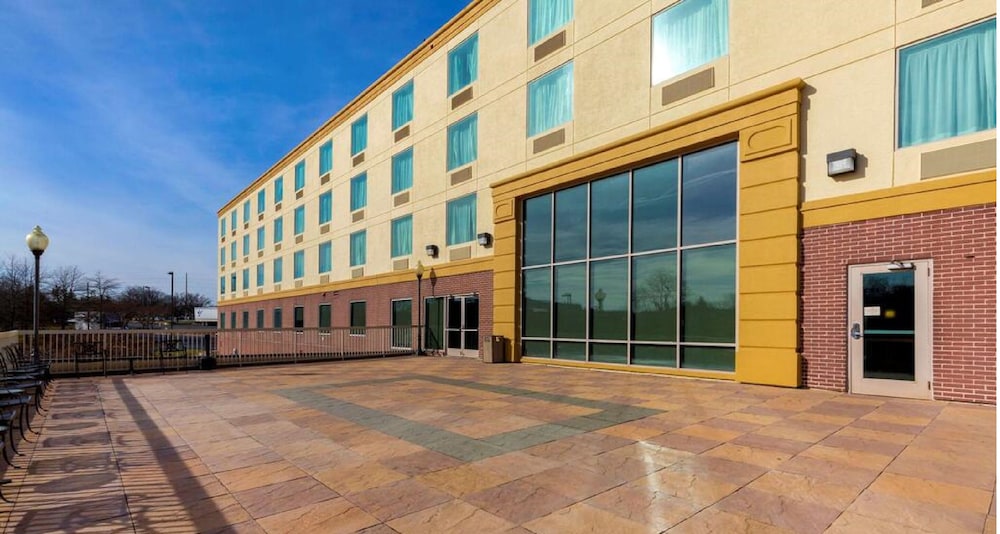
(471, 340)
(537, 300)
(471, 319)
(708, 294)
(538, 230)
(708, 358)
(609, 299)
(571, 224)
(609, 216)
(570, 351)
(654, 297)
(659, 355)
(454, 313)
(654, 207)
(570, 296)
(708, 205)
(609, 353)
(537, 349)
(889, 334)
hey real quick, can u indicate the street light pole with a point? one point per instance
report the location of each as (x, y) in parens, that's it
(171, 273)
(420, 309)
(37, 243)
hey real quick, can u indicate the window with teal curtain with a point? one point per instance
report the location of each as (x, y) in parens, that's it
(246, 278)
(279, 229)
(463, 142)
(279, 189)
(222, 227)
(550, 100)
(463, 64)
(246, 212)
(260, 238)
(325, 158)
(948, 85)
(325, 257)
(300, 175)
(276, 271)
(246, 245)
(232, 220)
(359, 191)
(300, 220)
(260, 274)
(359, 135)
(299, 264)
(325, 207)
(402, 236)
(402, 171)
(222, 289)
(358, 245)
(222, 255)
(261, 201)
(461, 220)
(547, 16)
(232, 287)
(689, 34)
(232, 250)
(402, 105)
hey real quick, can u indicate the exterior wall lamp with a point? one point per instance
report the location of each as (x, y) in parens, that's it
(432, 250)
(842, 162)
(484, 239)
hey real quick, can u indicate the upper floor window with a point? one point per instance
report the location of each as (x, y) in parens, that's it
(222, 227)
(279, 229)
(246, 245)
(222, 289)
(260, 238)
(687, 35)
(463, 142)
(260, 274)
(232, 251)
(279, 189)
(461, 220)
(246, 278)
(222, 256)
(463, 64)
(550, 100)
(947, 85)
(325, 207)
(300, 175)
(299, 264)
(232, 220)
(246, 212)
(359, 191)
(359, 135)
(276, 268)
(402, 105)
(325, 257)
(325, 158)
(358, 248)
(547, 16)
(300, 220)
(261, 201)
(402, 171)
(402, 236)
(232, 286)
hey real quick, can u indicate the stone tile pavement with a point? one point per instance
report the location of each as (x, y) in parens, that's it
(453, 445)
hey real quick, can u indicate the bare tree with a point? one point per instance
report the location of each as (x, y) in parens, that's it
(142, 304)
(656, 293)
(189, 301)
(16, 286)
(62, 286)
(103, 289)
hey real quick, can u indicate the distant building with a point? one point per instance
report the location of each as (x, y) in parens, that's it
(778, 193)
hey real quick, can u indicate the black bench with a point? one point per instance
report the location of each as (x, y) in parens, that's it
(88, 352)
(173, 349)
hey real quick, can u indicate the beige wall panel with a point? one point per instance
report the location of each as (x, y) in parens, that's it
(502, 40)
(768, 279)
(379, 128)
(758, 30)
(920, 23)
(549, 62)
(907, 160)
(766, 197)
(781, 334)
(695, 104)
(429, 176)
(553, 155)
(770, 251)
(605, 16)
(771, 306)
(377, 249)
(429, 88)
(837, 116)
(609, 136)
(611, 73)
(502, 132)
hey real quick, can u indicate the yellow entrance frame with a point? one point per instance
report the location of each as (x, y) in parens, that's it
(766, 124)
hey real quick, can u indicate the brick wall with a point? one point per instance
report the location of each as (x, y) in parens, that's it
(378, 301)
(962, 243)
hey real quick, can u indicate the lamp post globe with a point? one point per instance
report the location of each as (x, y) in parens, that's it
(37, 242)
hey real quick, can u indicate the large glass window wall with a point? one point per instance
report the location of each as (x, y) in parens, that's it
(638, 268)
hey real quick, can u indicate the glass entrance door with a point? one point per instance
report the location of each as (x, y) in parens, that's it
(463, 325)
(434, 323)
(889, 329)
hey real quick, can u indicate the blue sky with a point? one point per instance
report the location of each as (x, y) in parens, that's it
(125, 125)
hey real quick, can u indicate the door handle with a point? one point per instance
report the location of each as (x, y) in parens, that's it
(856, 331)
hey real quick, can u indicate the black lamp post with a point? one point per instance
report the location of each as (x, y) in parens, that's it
(171, 273)
(37, 242)
(420, 309)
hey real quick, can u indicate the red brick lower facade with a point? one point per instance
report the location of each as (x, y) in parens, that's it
(962, 244)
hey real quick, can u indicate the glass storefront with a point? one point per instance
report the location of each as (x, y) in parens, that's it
(638, 268)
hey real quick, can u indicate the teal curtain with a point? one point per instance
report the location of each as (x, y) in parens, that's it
(546, 16)
(325, 257)
(463, 64)
(325, 158)
(358, 253)
(276, 271)
(232, 220)
(359, 191)
(359, 135)
(279, 229)
(246, 245)
(299, 263)
(402, 105)
(261, 200)
(300, 175)
(246, 278)
(550, 100)
(461, 220)
(402, 171)
(948, 85)
(300, 220)
(246, 211)
(232, 251)
(402, 236)
(260, 238)
(279, 189)
(222, 227)
(463, 142)
(325, 207)
(260, 274)
(688, 35)
(222, 255)
(222, 289)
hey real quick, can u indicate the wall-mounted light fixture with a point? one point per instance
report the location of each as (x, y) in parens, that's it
(842, 162)
(432, 250)
(484, 239)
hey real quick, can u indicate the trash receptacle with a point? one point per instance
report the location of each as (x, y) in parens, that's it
(494, 349)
